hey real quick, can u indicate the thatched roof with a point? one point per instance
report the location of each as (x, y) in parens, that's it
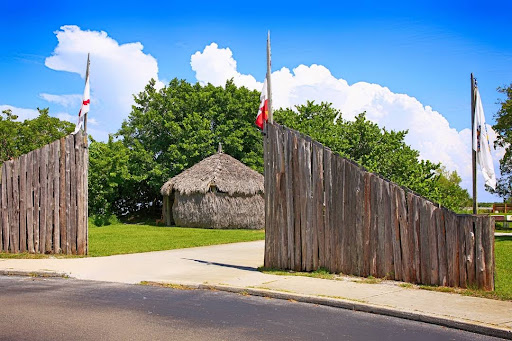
(220, 170)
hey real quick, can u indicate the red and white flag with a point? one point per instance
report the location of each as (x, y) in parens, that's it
(263, 110)
(86, 101)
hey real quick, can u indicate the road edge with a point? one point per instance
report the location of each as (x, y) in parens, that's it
(474, 327)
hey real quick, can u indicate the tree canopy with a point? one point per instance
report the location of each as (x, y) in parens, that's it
(18, 138)
(503, 128)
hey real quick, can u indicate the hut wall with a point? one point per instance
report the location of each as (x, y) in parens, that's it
(219, 210)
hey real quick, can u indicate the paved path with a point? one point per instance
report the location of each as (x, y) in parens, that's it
(233, 267)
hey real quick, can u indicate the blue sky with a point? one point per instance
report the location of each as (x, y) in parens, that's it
(424, 51)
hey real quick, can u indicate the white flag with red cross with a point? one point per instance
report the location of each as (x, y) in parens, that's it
(263, 110)
(86, 102)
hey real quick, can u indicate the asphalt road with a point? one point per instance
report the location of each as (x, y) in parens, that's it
(65, 309)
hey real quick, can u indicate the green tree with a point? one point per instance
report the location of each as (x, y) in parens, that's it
(18, 138)
(448, 191)
(170, 130)
(8, 135)
(503, 128)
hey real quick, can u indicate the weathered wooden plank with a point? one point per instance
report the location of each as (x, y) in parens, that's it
(395, 232)
(43, 173)
(367, 221)
(488, 245)
(388, 244)
(297, 190)
(56, 197)
(452, 270)
(479, 253)
(347, 222)
(266, 170)
(1, 210)
(269, 199)
(338, 176)
(329, 255)
(381, 228)
(442, 256)
(441, 247)
(73, 201)
(50, 201)
(282, 197)
(272, 183)
(290, 218)
(277, 199)
(36, 161)
(271, 131)
(15, 227)
(275, 211)
(69, 227)
(10, 204)
(5, 207)
(469, 230)
(86, 185)
(414, 225)
(318, 205)
(308, 204)
(432, 236)
(358, 249)
(461, 223)
(374, 225)
(301, 189)
(404, 235)
(29, 200)
(80, 193)
(62, 195)
(425, 217)
(23, 205)
(452, 249)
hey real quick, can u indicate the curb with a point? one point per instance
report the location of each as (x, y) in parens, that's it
(473, 327)
(48, 274)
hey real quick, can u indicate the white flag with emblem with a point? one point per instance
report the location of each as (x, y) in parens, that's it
(482, 145)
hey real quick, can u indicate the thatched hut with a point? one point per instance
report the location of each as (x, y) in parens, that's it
(218, 192)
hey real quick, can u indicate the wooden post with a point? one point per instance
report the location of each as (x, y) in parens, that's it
(86, 78)
(473, 152)
(269, 82)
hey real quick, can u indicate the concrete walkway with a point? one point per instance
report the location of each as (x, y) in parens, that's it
(232, 267)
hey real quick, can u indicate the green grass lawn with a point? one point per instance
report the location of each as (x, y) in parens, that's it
(126, 238)
(503, 278)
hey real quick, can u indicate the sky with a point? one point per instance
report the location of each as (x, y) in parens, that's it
(406, 64)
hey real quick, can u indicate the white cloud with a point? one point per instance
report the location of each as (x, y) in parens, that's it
(429, 131)
(215, 66)
(67, 101)
(117, 72)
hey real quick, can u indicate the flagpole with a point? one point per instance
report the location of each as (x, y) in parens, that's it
(269, 82)
(86, 77)
(473, 152)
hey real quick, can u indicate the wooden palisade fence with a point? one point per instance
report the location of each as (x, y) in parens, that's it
(324, 211)
(43, 199)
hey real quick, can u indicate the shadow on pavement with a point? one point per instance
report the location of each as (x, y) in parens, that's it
(246, 268)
